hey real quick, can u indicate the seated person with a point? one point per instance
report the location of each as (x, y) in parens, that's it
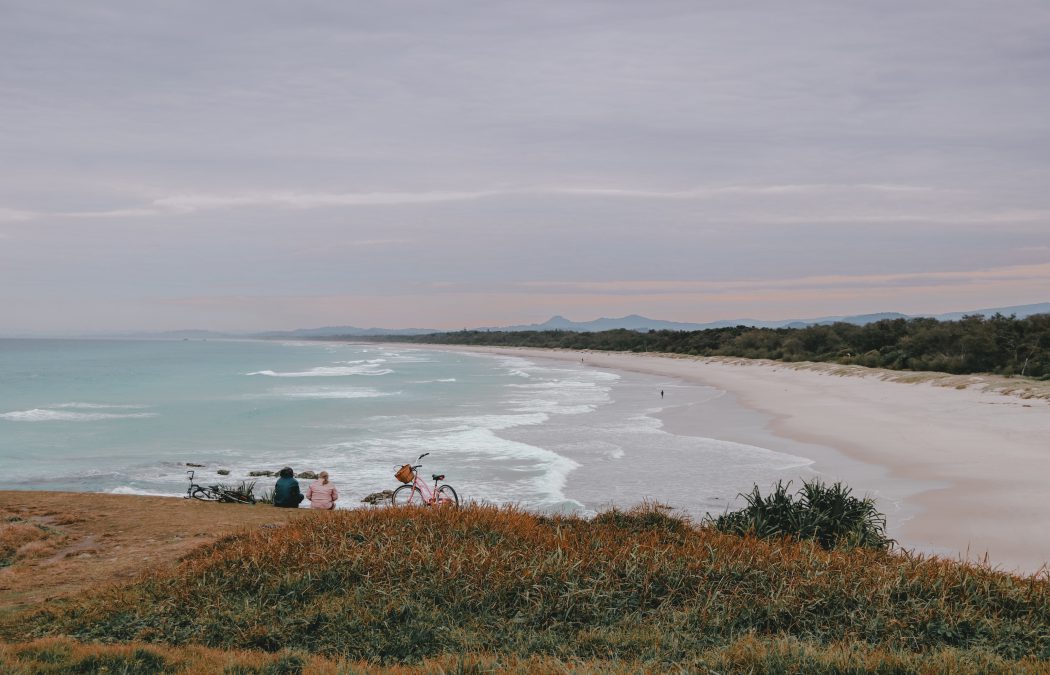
(286, 492)
(321, 493)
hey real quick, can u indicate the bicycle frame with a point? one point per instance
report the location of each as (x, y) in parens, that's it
(421, 494)
(429, 496)
(189, 490)
(213, 493)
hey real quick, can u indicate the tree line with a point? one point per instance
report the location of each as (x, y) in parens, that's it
(975, 344)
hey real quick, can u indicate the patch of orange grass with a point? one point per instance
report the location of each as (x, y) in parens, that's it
(19, 540)
(747, 654)
(404, 585)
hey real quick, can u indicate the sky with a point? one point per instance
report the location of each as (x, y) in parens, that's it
(255, 164)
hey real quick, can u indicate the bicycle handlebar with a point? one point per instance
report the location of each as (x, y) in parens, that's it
(422, 456)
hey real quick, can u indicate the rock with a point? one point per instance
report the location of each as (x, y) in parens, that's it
(224, 472)
(306, 474)
(261, 473)
(194, 465)
(378, 497)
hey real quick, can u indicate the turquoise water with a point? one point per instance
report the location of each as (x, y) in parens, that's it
(127, 416)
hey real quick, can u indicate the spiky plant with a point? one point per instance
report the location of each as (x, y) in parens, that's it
(828, 514)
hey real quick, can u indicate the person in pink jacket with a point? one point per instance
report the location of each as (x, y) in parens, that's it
(321, 493)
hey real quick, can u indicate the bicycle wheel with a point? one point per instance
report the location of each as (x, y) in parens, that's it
(203, 494)
(407, 495)
(446, 496)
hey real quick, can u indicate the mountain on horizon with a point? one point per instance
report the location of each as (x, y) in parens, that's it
(1020, 311)
(637, 322)
(558, 322)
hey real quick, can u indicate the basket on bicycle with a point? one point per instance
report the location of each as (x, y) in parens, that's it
(405, 474)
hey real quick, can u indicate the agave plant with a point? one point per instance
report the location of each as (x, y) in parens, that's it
(243, 490)
(828, 514)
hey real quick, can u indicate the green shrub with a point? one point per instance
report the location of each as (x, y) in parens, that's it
(827, 514)
(243, 490)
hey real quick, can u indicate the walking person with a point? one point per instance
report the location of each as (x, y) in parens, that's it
(286, 494)
(321, 493)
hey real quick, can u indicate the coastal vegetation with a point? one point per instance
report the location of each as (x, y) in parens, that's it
(482, 588)
(827, 514)
(998, 344)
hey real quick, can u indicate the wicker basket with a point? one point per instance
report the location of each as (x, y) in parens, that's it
(404, 474)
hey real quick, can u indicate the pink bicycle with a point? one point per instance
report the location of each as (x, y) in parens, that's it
(416, 492)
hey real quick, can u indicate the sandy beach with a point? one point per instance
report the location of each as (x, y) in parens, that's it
(968, 456)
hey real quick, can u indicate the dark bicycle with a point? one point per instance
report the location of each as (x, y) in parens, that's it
(217, 493)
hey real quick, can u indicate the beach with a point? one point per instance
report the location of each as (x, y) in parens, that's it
(964, 459)
(956, 463)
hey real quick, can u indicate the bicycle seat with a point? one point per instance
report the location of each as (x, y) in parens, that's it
(437, 477)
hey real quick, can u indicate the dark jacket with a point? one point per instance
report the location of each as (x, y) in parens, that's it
(286, 493)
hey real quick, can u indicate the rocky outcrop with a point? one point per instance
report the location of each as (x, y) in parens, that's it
(379, 497)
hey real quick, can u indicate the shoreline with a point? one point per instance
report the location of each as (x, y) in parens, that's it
(963, 459)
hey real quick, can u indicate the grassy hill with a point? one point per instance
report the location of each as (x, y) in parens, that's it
(482, 588)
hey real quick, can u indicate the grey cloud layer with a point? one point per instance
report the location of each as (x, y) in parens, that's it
(332, 148)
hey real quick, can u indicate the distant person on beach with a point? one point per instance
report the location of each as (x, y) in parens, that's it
(286, 492)
(661, 393)
(321, 493)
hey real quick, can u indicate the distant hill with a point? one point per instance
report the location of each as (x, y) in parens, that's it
(1020, 311)
(629, 322)
(641, 323)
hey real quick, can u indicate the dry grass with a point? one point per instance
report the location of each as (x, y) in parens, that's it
(21, 539)
(642, 590)
(55, 656)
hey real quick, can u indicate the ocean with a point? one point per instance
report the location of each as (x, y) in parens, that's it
(128, 416)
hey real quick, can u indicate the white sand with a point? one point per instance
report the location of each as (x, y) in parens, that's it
(975, 460)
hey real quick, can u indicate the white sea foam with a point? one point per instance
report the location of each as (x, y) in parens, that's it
(562, 396)
(496, 469)
(404, 357)
(494, 422)
(47, 415)
(370, 369)
(127, 490)
(99, 406)
(360, 392)
(443, 379)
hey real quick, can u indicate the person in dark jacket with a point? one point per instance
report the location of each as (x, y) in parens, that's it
(286, 492)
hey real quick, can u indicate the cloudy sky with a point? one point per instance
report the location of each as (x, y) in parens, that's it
(260, 164)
